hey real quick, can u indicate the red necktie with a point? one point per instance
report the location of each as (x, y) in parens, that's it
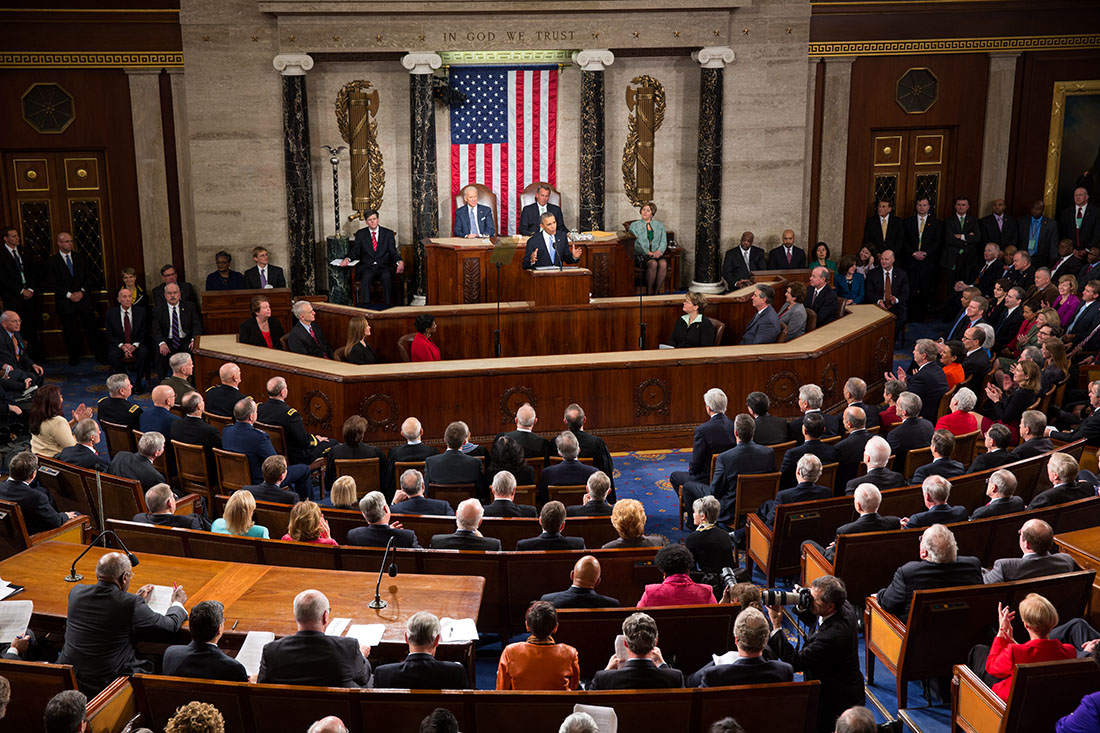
(127, 331)
(374, 240)
(788, 257)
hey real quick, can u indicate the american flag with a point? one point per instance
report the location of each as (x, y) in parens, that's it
(504, 135)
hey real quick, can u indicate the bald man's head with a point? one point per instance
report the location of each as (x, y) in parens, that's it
(164, 396)
(586, 573)
(114, 568)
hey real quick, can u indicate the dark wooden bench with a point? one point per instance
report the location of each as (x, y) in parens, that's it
(944, 623)
(32, 686)
(14, 537)
(1042, 693)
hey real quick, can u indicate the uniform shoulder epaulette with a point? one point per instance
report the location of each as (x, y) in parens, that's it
(291, 411)
(103, 398)
(134, 407)
(212, 387)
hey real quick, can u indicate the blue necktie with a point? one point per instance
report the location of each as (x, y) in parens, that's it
(1080, 310)
(473, 221)
(69, 263)
(956, 324)
(550, 246)
(175, 334)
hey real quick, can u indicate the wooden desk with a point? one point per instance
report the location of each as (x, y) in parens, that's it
(569, 286)
(223, 311)
(1084, 547)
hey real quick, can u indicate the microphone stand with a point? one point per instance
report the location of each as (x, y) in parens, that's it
(641, 320)
(496, 334)
(73, 576)
(378, 603)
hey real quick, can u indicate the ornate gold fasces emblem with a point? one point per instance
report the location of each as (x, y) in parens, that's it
(356, 110)
(646, 103)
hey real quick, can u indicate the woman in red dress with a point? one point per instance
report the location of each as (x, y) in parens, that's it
(1039, 617)
(422, 348)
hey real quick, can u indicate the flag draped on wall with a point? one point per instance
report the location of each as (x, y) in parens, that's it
(504, 135)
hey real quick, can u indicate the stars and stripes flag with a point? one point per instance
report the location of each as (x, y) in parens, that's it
(504, 136)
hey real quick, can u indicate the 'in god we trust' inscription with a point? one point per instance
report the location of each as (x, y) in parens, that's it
(509, 36)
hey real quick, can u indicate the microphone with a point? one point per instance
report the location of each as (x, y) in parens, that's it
(378, 603)
(73, 576)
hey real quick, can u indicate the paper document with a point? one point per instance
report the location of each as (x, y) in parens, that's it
(604, 716)
(458, 629)
(7, 589)
(727, 658)
(367, 634)
(160, 599)
(336, 626)
(620, 648)
(665, 346)
(252, 650)
(14, 618)
(336, 263)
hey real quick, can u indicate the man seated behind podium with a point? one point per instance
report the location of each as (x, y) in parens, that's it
(474, 220)
(162, 511)
(379, 529)
(202, 658)
(549, 248)
(532, 213)
(421, 670)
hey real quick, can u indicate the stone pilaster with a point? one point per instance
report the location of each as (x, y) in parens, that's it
(592, 63)
(425, 193)
(299, 174)
(708, 190)
(834, 151)
(998, 127)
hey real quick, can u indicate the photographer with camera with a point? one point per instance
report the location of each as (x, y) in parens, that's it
(829, 653)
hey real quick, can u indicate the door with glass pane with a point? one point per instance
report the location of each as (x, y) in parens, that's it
(908, 164)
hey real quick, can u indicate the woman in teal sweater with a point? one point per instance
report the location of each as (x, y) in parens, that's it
(238, 517)
(650, 244)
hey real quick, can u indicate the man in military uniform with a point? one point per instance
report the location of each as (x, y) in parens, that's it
(244, 437)
(179, 380)
(301, 447)
(116, 407)
(221, 398)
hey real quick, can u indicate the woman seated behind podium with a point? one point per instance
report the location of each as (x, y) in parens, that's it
(344, 495)
(650, 244)
(539, 663)
(237, 517)
(223, 278)
(307, 524)
(1039, 617)
(357, 350)
(422, 348)
(261, 329)
(693, 328)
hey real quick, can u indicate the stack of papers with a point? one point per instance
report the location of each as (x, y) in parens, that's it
(458, 629)
(14, 618)
(367, 634)
(252, 650)
(160, 599)
(336, 626)
(604, 716)
(727, 658)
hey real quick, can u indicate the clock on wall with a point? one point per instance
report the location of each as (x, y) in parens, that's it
(917, 91)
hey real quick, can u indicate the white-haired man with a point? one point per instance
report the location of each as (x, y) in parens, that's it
(466, 535)
(939, 567)
(711, 438)
(867, 499)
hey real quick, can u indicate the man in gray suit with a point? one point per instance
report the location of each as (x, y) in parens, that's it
(466, 536)
(1036, 539)
(764, 326)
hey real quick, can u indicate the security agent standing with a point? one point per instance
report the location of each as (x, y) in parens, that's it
(830, 654)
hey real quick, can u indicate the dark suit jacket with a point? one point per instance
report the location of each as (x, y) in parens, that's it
(870, 523)
(637, 674)
(777, 259)
(802, 491)
(62, 281)
(992, 459)
(10, 283)
(940, 467)
(1086, 322)
(742, 458)
(1061, 494)
(421, 671)
(101, 623)
(1007, 234)
(909, 434)
(135, 465)
(1046, 248)
(713, 436)
(551, 541)
(939, 514)
(187, 292)
(925, 575)
(574, 597)
(157, 419)
(975, 367)
(1007, 328)
(300, 342)
(883, 478)
(361, 353)
(712, 548)
(960, 255)
(139, 326)
(409, 452)
(872, 233)
(242, 437)
(833, 427)
(38, 510)
(533, 444)
(824, 451)
(270, 492)
(1071, 265)
(592, 446)
(378, 535)
(464, 539)
(455, 467)
(849, 454)
(591, 509)
(530, 221)
(825, 304)
(203, 661)
(485, 224)
(83, 456)
(771, 430)
(118, 411)
(1089, 235)
(423, 505)
(1031, 448)
(929, 383)
(190, 324)
(899, 287)
(930, 241)
(566, 473)
(182, 521)
(507, 508)
(986, 275)
(1031, 565)
(275, 277)
(250, 333)
(301, 446)
(196, 431)
(1089, 429)
(221, 398)
(998, 507)
(537, 243)
(311, 658)
(387, 255)
(745, 671)
(733, 266)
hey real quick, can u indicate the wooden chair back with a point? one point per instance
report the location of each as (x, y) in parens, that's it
(453, 494)
(526, 495)
(363, 470)
(341, 352)
(218, 421)
(284, 341)
(119, 438)
(782, 337)
(916, 458)
(33, 684)
(278, 437)
(66, 485)
(781, 450)
(527, 196)
(753, 489)
(14, 537)
(945, 402)
(404, 344)
(233, 470)
(965, 445)
(719, 330)
(485, 197)
(828, 475)
(811, 319)
(568, 495)
(536, 465)
(193, 470)
(122, 497)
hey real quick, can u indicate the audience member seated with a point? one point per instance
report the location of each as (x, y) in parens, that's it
(221, 398)
(39, 512)
(421, 670)
(1062, 471)
(805, 488)
(236, 519)
(856, 720)
(103, 619)
(508, 455)
(959, 420)
(422, 347)
(595, 498)
(570, 472)
(410, 498)
(344, 495)
(116, 407)
(926, 382)
(693, 329)
(876, 454)
(746, 457)
(182, 367)
(769, 429)
(202, 659)
(159, 416)
(83, 454)
(539, 663)
(223, 278)
(855, 391)
(301, 446)
(175, 326)
(272, 487)
(504, 490)
(305, 338)
(162, 511)
(1007, 407)
(952, 354)
(942, 445)
(888, 416)
(244, 437)
(1000, 490)
(66, 712)
(413, 450)
(764, 327)
(140, 465)
(642, 667)
(353, 448)
(591, 446)
(533, 445)
(913, 432)
(582, 593)
(677, 589)
(999, 662)
(1036, 541)
(310, 657)
(997, 440)
(194, 717)
(1033, 425)
(628, 519)
(452, 466)
(1086, 718)
(710, 544)
(813, 427)
(750, 636)
(810, 399)
(849, 450)
(650, 245)
(939, 567)
(13, 352)
(821, 298)
(307, 524)
(936, 490)
(793, 313)
(262, 328)
(50, 431)
(867, 499)
(552, 519)
(710, 438)
(1089, 428)
(466, 535)
(379, 530)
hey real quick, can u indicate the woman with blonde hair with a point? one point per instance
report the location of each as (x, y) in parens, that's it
(357, 350)
(692, 328)
(1039, 617)
(237, 517)
(307, 524)
(343, 495)
(628, 519)
(1009, 406)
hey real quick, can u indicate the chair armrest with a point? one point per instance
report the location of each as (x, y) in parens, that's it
(974, 707)
(760, 540)
(111, 709)
(73, 530)
(814, 565)
(188, 504)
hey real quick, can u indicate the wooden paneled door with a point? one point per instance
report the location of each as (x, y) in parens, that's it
(52, 192)
(907, 164)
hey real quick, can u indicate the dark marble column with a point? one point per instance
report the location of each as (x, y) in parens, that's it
(425, 186)
(592, 63)
(708, 202)
(299, 175)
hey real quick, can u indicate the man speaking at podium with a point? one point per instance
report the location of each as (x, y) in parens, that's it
(532, 213)
(549, 248)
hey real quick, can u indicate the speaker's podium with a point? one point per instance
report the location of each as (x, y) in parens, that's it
(565, 286)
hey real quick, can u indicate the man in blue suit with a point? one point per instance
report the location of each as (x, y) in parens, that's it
(936, 490)
(750, 635)
(243, 436)
(764, 326)
(202, 658)
(711, 438)
(379, 531)
(421, 670)
(473, 220)
(410, 498)
(549, 247)
(37, 505)
(158, 417)
(745, 457)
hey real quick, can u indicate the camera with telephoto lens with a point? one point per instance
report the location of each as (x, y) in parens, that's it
(801, 599)
(733, 576)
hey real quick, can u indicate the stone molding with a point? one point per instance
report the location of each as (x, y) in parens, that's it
(593, 59)
(421, 63)
(713, 57)
(293, 64)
